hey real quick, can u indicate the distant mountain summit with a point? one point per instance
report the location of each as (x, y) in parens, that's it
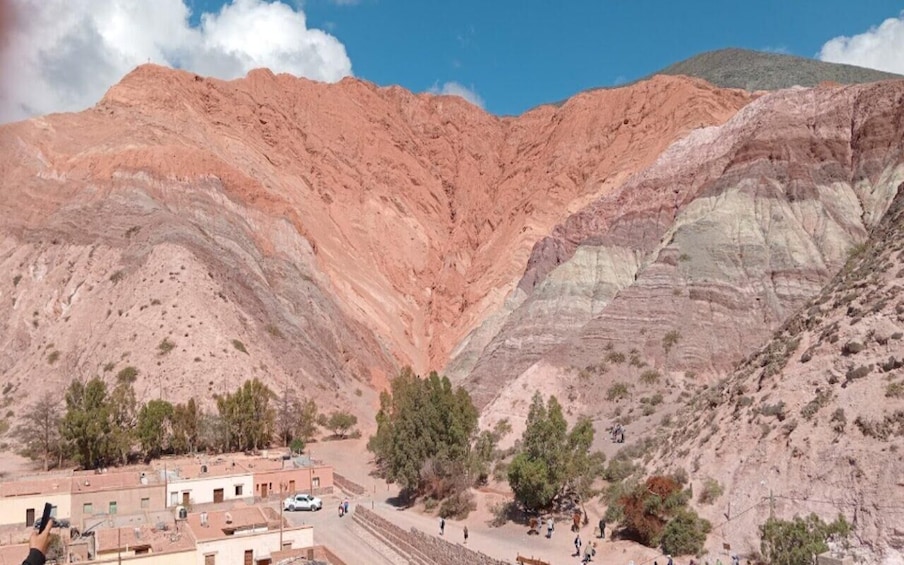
(756, 70)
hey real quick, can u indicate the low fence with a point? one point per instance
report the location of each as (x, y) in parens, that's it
(347, 485)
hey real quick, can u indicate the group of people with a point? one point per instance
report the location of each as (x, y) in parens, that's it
(343, 508)
(442, 529)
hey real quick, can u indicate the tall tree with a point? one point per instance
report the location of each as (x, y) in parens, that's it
(422, 420)
(553, 460)
(39, 432)
(341, 422)
(86, 425)
(123, 412)
(186, 425)
(248, 416)
(155, 421)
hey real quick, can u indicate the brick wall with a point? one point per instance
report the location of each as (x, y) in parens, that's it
(347, 485)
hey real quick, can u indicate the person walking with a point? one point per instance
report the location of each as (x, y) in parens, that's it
(341, 510)
(669, 562)
(466, 535)
(588, 553)
(442, 525)
(345, 507)
(602, 528)
(550, 526)
(577, 545)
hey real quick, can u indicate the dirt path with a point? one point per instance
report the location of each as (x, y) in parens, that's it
(351, 459)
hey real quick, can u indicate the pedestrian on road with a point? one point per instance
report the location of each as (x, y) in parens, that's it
(466, 535)
(588, 553)
(550, 526)
(341, 510)
(577, 545)
(669, 562)
(442, 525)
(345, 507)
(602, 528)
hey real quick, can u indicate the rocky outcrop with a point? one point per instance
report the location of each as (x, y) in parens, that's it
(730, 230)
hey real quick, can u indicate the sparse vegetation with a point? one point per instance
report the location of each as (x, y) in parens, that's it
(127, 375)
(117, 276)
(615, 357)
(165, 346)
(53, 357)
(650, 377)
(838, 421)
(852, 348)
(617, 391)
(858, 373)
(799, 541)
(239, 346)
(711, 491)
(274, 331)
(16, 280)
(895, 390)
(777, 410)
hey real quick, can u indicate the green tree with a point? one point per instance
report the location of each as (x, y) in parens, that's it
(485, 450)
(247, 415)
(799, 541)
(685, 533)
(186, 424)
(296, 419)
(553, 460)
(341, 422)
(422, 420)
(155, 420)
(39, 432)
(123, 413)
(86, 424)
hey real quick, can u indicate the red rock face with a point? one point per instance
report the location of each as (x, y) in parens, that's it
(376, 226)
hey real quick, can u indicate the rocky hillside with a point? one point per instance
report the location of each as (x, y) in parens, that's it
(319, 236)
(815, 418)
(756, 70)
(727, 233)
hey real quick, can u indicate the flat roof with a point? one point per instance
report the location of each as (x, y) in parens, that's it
(43, 486)
(221, 524)
(115, 539)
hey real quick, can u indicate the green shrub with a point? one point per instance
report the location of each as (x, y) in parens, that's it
(617, 391)
(239, 346)
(894, 390)
(109, 366)
(838, 420)
(117, 276)
(711, 491)
(777, 410)
(458, 506)
(616, 357)
(128, 375)
(851, 348)
(53, 357)
(799, 541)
(858, 373)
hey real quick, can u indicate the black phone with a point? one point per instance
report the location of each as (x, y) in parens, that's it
(45, 518)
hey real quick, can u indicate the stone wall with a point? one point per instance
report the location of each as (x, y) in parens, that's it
(420, 547)
(348, 486)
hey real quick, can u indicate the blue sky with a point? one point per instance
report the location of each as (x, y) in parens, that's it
(505, 55)
(517, 54)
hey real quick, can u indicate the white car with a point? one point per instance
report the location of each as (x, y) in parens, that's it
(302, 502)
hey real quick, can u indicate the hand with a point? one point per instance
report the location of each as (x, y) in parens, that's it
(41, 541)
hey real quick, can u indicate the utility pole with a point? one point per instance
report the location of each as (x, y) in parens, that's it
(281, 505)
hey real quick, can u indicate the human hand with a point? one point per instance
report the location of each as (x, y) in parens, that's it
(41, 541)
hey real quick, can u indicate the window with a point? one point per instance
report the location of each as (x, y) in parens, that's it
(249, 557)
(210, 559)
(29, 517)
(87, 508)
(238, 490)
(315, 482)
(145, 502)
(112, 507)
(53, 511)
(173, 498)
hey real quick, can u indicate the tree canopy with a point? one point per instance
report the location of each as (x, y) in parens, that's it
(553, 460)
(422, 420)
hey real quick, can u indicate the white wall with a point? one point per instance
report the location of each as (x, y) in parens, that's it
(12, 508)
(201, 489)
(231, 550)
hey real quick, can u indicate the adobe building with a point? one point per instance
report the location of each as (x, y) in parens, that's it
(245, 536)
(127, 491)
(278, 478)
(189, 482)
(21, 502)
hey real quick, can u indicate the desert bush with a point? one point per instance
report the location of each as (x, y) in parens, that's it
(895, 390)
(128, 375)
(649, 506)
(811, 408)
(617, 391)
(858, 373)
(165, 346)
(745, 401)
(616, 357)
(777, 410)
(648, 410)
(711, 491)
(852, 348)
(239, 346)
(117, 276)
(53, 357)
(838, 420)
(892, 364)
(458, 506)
(650, 377)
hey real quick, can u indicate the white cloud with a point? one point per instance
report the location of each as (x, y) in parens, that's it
(456, 89)
(880, 47)
(62, 55)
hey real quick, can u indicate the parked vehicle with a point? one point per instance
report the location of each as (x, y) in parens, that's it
(302, 502)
